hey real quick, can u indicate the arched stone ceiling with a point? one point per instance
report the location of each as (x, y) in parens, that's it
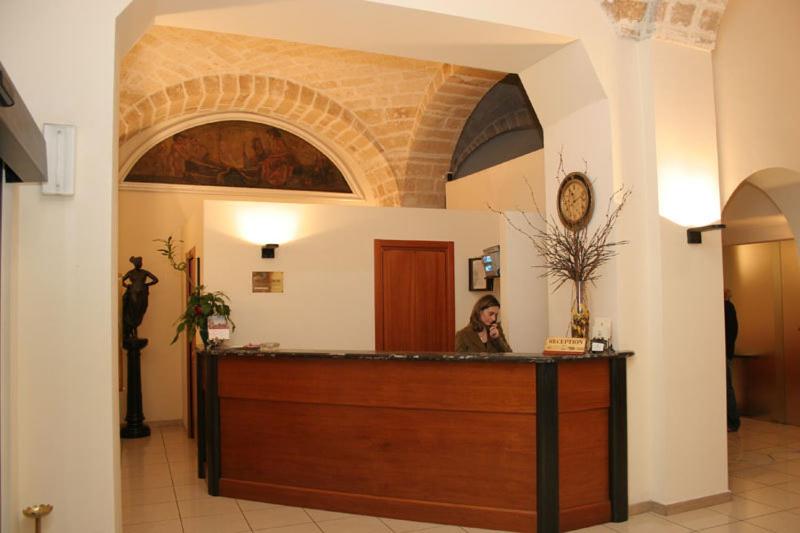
(397, 118)
(690, 22)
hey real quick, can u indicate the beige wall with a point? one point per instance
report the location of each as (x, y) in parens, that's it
(757, 80)
(63, 350)
(9, 443)
(144, 217)
(756, 274)
(689, 366)
(522, 290)
(328, 300)
(501, 187)
(750, 216)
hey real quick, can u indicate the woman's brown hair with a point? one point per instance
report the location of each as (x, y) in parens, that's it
(483, 302)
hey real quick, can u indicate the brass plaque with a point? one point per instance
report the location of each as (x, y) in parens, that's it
(564, 346)
(267, 281)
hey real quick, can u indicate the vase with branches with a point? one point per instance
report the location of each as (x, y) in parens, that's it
(572, 255)
(199, 304)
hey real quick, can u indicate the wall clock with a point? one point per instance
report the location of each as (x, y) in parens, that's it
(575, 201)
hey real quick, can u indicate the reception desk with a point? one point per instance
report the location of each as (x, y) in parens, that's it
(517, 442)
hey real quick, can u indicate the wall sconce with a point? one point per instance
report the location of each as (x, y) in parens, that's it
(268, 251)
(695, 235)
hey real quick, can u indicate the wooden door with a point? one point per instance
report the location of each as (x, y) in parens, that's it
(414, 296)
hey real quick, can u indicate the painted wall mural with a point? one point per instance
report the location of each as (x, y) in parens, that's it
(239, 154)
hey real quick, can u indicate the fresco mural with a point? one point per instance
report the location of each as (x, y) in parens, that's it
(239, 154)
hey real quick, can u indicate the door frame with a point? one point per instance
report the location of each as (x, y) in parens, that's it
(192, 279)
(383, 244)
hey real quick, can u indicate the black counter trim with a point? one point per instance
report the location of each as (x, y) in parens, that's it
(618, 441)
(212, 429)
(547, 501)
(200, 389)
(415, 356)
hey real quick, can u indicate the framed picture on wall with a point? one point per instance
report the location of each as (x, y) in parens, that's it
(477, 278)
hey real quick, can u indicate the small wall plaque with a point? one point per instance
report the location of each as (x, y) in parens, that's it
(267, 281)
(564, 346)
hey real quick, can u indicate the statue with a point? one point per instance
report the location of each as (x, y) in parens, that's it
(134, 301)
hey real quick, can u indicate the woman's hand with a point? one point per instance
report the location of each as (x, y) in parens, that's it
(494, 332)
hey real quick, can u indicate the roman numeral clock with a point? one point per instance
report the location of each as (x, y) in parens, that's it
(575, 201)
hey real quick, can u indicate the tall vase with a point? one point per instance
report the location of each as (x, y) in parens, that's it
(580, 312)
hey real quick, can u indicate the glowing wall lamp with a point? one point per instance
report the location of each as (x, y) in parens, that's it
(695, 235)
(259, 224)
(268, 251)
(688, 197)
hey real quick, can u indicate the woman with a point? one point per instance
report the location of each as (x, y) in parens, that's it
(483, 333)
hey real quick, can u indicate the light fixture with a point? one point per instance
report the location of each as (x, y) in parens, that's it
(268, 251)
(695, 235)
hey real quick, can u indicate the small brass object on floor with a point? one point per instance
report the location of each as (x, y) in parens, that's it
(37, 512)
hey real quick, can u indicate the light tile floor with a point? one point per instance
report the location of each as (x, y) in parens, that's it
(161, 494)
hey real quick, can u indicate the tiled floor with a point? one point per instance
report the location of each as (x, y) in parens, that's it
(161, 494)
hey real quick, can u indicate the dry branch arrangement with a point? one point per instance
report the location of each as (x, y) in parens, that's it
(572, 255)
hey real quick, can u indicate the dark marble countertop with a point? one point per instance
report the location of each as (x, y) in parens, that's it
(411, 356)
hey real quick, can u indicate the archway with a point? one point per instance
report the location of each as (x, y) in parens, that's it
(547, 60)
(762, 271)
(578, 119)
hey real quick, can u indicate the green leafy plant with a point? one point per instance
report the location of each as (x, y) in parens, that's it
(199, 304)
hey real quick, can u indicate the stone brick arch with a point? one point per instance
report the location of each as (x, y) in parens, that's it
(449, 100)
(340, 129)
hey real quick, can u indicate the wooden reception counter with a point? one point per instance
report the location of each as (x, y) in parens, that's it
(518, 442)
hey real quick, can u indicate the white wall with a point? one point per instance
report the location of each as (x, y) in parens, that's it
(328, 300)
(750, 216)
(501, 187)
(9, 443)
(523, 292)
(63, 349)
(783, 188)
(146, 215)
(757, 80)
(689, 363)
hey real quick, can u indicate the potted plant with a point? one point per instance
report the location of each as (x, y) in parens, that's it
(200, 305)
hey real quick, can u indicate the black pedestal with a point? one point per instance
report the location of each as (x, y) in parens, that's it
(135, 428)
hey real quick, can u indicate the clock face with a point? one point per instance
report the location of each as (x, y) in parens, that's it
(575, 202)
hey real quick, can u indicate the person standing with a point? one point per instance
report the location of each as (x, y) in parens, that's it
(731, 332)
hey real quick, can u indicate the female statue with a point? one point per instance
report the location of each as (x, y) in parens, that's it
(134, 301)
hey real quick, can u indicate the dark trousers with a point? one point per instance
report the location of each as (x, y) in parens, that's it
(733, 413)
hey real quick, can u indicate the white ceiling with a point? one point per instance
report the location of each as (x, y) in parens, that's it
(370, 27)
